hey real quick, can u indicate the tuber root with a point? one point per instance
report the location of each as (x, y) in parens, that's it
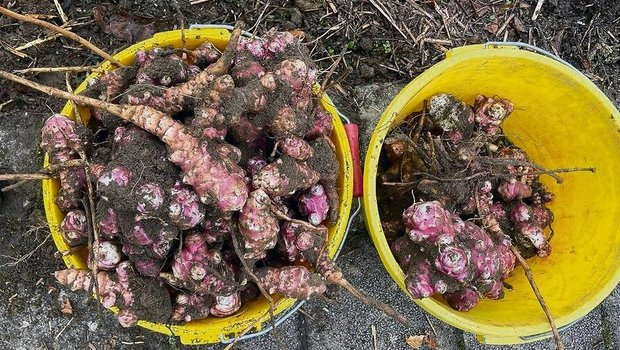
(258, 226)
(291, 281)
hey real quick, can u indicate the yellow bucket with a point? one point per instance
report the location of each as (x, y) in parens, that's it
(562, 120)
(251, 315)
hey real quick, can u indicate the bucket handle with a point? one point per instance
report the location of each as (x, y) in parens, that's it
(536, 49)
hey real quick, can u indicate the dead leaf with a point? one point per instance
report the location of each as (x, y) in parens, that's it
(431, 342)
(65, 306)
(298, 33)
(518, 24)
(415, 341)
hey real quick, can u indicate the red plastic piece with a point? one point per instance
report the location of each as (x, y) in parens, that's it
(352, 132)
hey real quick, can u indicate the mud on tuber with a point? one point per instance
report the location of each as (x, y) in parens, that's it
(459, 201)
(214, 175)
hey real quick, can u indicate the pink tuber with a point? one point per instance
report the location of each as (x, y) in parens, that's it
(199, 269)
(109, 256)
(225, 305)
(189, 307)
(185, 209)
(73, 228)
(418, 280)
(108, 224)
(314, 204)
(463, 300)
(284, 176)
(429, 222)
(490, 112)
(291, 281)
(258, 226)
(60, 140)
(150, 198)
(125, 290)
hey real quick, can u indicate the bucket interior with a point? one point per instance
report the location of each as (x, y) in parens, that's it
(561, 121)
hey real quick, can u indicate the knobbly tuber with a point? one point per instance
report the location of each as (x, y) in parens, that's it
(226, 155)
(136, 297)
(476, 198)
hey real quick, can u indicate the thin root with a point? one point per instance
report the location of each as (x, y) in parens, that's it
(539, 297)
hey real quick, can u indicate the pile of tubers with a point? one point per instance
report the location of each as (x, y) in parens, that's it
(215, 177)
(475, 196)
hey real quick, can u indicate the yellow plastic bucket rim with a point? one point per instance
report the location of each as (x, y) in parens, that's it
(485, 333)
(223, 330)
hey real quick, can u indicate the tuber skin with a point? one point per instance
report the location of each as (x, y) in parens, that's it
(464, 300)
(201, 270)
(189, 307)
(284, 176)
(162, 67)
(150, 198)
(226, 305)
(185, 209)
(302, 243)
(216, 230)
(443, 254)
(111, 83)
(206, 54)
(109, 256)
(324, 161)
(452, 116)
(73, 228)
(429, 222)
(314, 204)
(255, 164)
(291, 281)
(321, 124)
(123, 290)
(258, 226)
(147, 243)
(490, 112)
(107, 220)
(296, 148)
(418, 280)
(59, 138)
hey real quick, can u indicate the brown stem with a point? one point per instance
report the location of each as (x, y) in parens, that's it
(224, 62)
(386, 309)
(329, 74)
(552, 172)
(15, 185)
(249, 271)
(61, 31)
(45, 173)
(539, 297)
(93, 102)
(24, 177)
(489, 220)
(181, 19)
(76, 69)
(283, 216)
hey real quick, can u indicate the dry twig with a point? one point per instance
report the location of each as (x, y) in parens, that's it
(76, 69)
(61, 31)
(539, 297)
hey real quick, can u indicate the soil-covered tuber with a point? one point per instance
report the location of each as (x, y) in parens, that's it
(480, 195)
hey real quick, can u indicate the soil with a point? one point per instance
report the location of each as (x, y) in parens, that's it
(416, 35)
